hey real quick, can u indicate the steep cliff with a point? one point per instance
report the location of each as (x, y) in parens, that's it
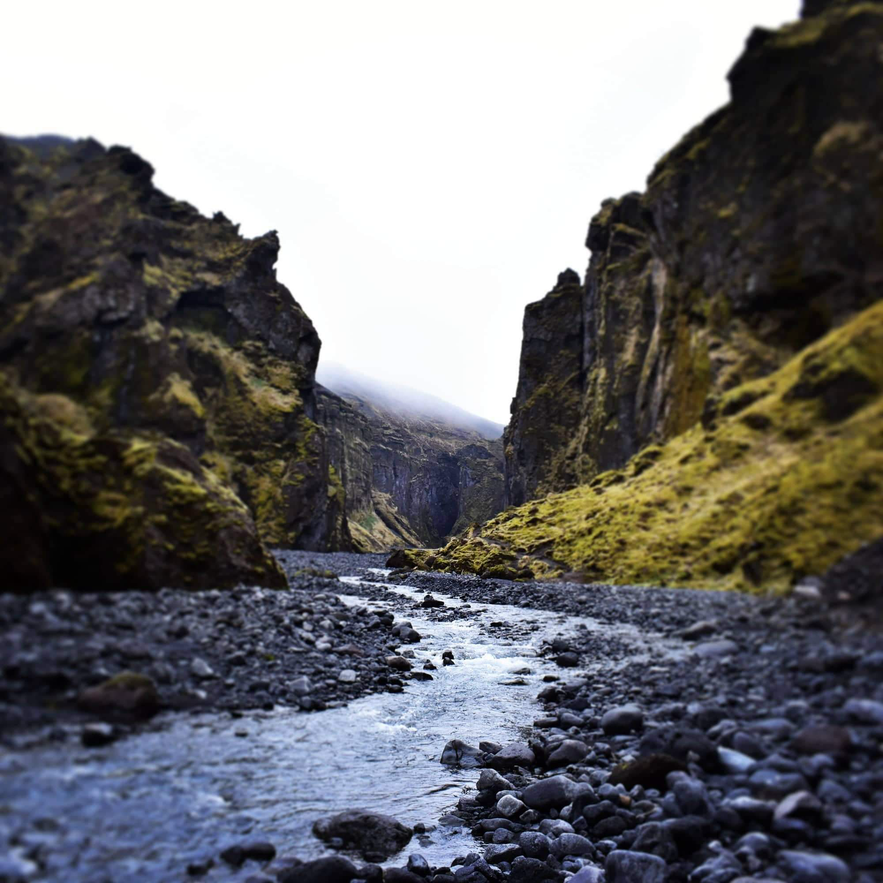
(410, 478)
(152, 365)
(723, 345)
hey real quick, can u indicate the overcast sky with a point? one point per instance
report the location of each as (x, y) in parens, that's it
(430, 166)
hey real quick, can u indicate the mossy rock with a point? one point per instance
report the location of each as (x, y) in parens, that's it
(127, 694)
(160, 337)
(104, 511)
(778, 490)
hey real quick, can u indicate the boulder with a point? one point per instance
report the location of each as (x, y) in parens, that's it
(516, 754)
(127, 694)
(552, 792)
(458, 753)
(622, 720)
(373, 835)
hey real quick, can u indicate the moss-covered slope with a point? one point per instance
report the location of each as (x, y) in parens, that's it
(161, 325)
(711, 394)
(784, 479)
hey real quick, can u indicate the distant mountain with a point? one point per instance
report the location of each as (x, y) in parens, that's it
(402, 401)
(414, 469)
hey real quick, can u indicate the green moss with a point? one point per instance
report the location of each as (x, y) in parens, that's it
(774, 492)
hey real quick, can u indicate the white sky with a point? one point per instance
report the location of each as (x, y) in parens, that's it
(430, 166)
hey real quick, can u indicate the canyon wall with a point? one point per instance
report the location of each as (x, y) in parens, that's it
(156, 385)
(684, 414)
(410, 479)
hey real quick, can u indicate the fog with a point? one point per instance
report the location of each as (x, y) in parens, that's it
(430, 167)
(399, 399)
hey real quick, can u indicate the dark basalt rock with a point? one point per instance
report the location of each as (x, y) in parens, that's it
(157, 390)
(375, 836)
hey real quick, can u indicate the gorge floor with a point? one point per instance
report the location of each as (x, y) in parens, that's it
(230, 760)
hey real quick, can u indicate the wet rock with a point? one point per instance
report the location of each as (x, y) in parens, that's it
(430, 601)
(501, 852)
(823, 739)
(567, 659)
(734, 761)
(622, 720)
(200, 867)
(568, 751)
(513, 755)
(716, 649)
(587, 875)
(530, 870)
(552, 792)
(259, 850)
(96, 735)
(680, 742)
(654, 838)
(534, 844)
(651, 771)
(233, 855)
(721, 868)
(808, 867)
(865, 711)
(457, 752)
(492, 782)
(331, 869)
(700, 629)
(398, 663)
(125, 694)
(199, 668)
(370, 834)
(690, 833)
(773, 784)
(751, 809)
(572, 844)
(801, 805)
(302, 686)
(417, 864)
(401, 875)
(634, 867)
(510, 806)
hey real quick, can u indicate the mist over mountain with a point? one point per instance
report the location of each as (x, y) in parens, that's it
(402, 400)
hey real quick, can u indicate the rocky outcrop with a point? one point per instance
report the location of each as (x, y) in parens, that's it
(409, 480)
(724, 339)
(757, 234)
(158, 384)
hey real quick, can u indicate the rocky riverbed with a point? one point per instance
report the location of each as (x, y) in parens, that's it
(591, 732)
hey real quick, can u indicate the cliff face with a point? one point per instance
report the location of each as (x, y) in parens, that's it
(158, 345)
(746, 264)
(409, 480)
(757, 234)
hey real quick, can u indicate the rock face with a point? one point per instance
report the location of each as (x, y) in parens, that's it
(157, 386)
(410, 478)
(725, 340)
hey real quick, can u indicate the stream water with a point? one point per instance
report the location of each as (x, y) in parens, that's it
(142, 808)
